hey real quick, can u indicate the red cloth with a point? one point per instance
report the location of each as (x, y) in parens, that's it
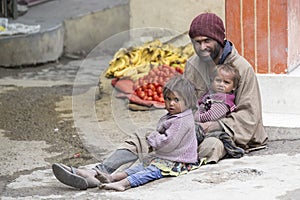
(123, 85)
(125, 88)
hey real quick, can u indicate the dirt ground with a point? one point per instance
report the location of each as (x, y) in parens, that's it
(45, 113)
(30, 113)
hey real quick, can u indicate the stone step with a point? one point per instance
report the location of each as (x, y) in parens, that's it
(281, 126)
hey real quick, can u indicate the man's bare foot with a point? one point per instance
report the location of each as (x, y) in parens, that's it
(103, 177)
(118, 186)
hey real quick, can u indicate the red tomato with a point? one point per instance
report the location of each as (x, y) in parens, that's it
(159, 90)
(156, 84)
(145, 97)
(149, 93)
(149, 98)
(161, 99)
(138, 89)
(141, 94)
(151, 86)
(144, 87)
(155, 97)
(178, 69)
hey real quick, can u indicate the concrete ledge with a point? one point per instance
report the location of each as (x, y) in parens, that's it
(32, 49)
(66, 27)
(282, 133)
(281, 126)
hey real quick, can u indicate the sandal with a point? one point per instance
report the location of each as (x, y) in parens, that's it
(70, 178)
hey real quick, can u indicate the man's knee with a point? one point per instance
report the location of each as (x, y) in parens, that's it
(212, 149)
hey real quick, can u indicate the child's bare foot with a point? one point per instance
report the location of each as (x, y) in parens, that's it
(103, 177)
(112, 186)
(118, 186)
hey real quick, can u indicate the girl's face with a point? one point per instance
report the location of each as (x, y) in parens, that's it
(174, 103)
(223, 82)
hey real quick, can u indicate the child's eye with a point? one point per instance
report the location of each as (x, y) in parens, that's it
(218, 80)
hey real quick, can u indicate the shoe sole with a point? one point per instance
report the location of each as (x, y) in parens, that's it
(69, 178)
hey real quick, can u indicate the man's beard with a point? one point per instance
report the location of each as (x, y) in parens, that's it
(211, 55)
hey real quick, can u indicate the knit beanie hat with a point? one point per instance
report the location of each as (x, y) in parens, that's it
(209, 25)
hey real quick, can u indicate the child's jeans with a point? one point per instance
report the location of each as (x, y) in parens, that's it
(139, 175)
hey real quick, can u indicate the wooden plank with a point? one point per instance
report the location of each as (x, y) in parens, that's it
(278, 36)
(233, 25)
(262, 36)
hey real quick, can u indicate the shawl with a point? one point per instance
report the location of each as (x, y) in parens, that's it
(245, 125)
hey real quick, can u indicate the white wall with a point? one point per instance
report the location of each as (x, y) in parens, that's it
(171, 14)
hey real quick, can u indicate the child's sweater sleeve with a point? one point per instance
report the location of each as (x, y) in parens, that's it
(217, 111)
(169, 140)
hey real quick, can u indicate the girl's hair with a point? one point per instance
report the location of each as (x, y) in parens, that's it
(184, 88)
(230, 69)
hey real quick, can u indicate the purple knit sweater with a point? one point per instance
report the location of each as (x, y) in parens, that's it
(175, 138)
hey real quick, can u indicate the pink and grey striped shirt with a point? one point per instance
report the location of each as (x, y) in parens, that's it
(214, 106)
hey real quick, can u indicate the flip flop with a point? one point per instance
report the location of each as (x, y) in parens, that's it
(69, 178)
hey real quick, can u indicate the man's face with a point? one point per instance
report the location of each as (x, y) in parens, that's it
(206, 48)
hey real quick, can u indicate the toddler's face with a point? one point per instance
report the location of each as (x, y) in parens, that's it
(174, 103)
(223, 82)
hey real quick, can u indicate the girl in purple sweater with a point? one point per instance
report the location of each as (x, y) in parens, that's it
(174, 142)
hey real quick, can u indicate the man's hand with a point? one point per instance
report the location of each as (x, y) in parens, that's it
(211, 126)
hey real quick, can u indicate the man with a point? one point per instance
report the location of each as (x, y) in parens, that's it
(244, 125)
(242, 128)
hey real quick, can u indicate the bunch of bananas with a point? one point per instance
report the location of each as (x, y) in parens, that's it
(136, 62)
